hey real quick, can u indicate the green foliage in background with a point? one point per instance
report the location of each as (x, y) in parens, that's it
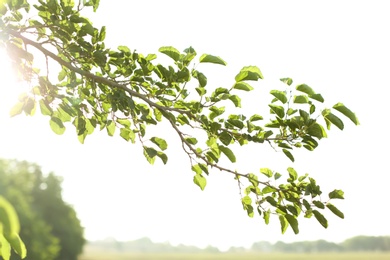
(50, 228)
(125, 92)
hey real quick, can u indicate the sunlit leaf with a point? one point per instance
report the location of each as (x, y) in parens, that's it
(161, 143)
(346, 112)
(229, 154)
(17, 244)
(336, 194)
(293, 222)
(191, 140)
(301, 99)
(278, 110)
(333, 119)
(305, 89)
(283, 223)
(200, 181)
(293, 174)
(5, 248)
(236, 100)
(8, 218)
(317, 97)
(318, 204)
(211, 59)
(288, 154)
(16, 109)
(288, 81)
(323, 221)
(249, 73)
(162, 156)
(317, 130)
(110, 128)
(266, 216)
(170, 51)
(280, 95)
(45, 109)
(57, 126)
(246, 200)
(255, 118)
(335, 210)
(267, 172)
(243, 86)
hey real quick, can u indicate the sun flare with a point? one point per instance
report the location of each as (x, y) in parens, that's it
(11, 88)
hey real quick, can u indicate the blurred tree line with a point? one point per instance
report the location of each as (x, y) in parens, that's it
(50, 227)
(358, 243)
(145, 245)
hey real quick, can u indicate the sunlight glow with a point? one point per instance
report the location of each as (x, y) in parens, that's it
(10, 87)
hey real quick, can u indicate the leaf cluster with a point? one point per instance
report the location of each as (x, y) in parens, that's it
(121, 90)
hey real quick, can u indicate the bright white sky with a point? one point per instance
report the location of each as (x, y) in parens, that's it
(339, 48)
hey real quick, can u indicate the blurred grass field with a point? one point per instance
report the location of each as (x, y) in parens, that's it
(236, 256)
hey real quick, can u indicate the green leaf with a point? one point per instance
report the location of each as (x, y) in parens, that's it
(301, 99)
(318, 204)
(312, 109)
(8, 218)
(196, 168)
(267, 172)
(283, 223)
(191, 140)
(62, 74)
(288, 154)
(150, 154)
(127, 134)
(293, 222)
(102, 33)
(305, 89)
(249, 73)
(317, 130)
(45, 109)
(124, 49)
(336, 194)
(306, 204)
(277, 176)
(110, 127)
(280, 95)
(246, 200)
(162, 156)
(278, 110)
(211, 59)
(204, 168)
(293, 210)
(124, 122)
(200, 181)
(229, 154)
(57, 126)
(171, 52)
(333, 119)
(243, 86)
(236, 100)
(323, 221)
(317, 97)
(268, 189)
(293, 174)
(335, 210)
(288, 81)
(16, 109)
(266, 216)
(5, 248)
(17, 244)
(346, 112)
(255, 118)
(161, 143)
